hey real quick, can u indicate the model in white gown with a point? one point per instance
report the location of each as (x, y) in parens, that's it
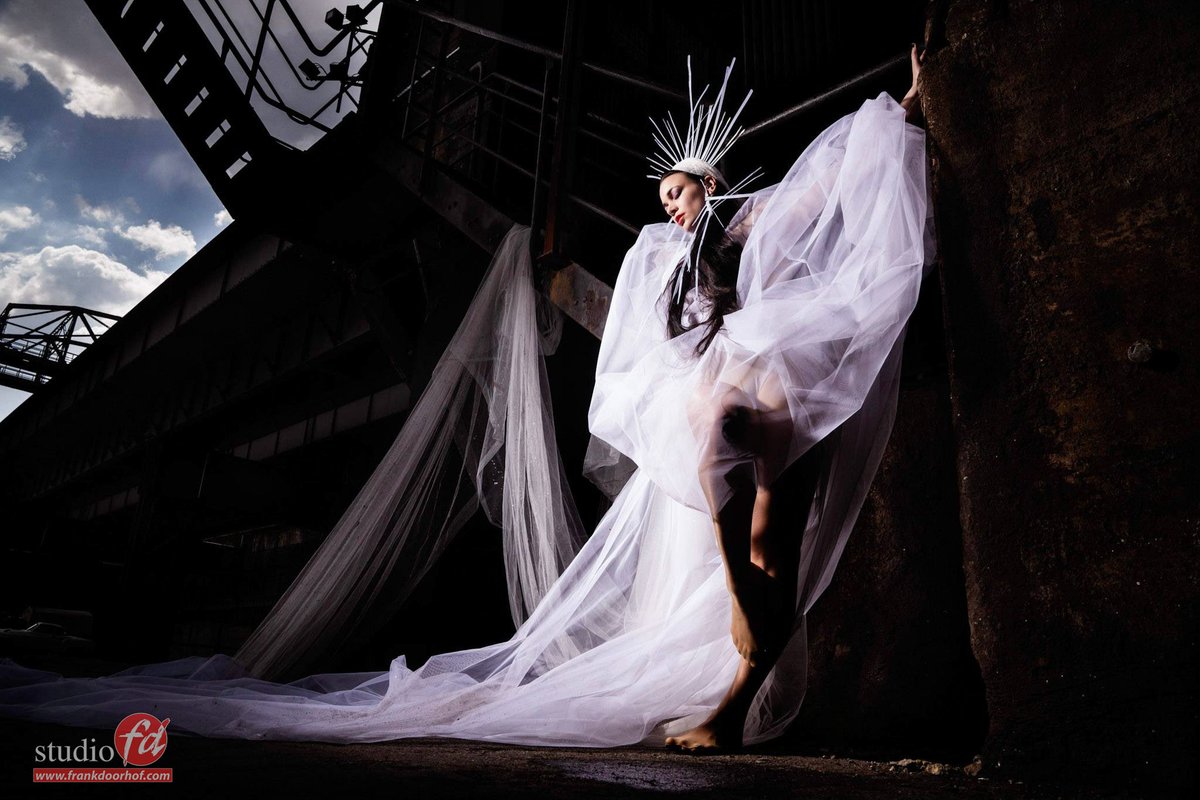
(631, 643)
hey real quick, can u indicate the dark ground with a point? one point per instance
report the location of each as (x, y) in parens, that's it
(443, 768)
(428, 768)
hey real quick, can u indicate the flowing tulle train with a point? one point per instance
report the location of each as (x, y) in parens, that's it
(632, 643)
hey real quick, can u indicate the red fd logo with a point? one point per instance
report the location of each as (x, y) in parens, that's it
(140, 739)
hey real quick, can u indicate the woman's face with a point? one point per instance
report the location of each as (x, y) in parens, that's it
(682, 197)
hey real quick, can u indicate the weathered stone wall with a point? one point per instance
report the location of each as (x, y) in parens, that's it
(1064, 151)
(891, 673)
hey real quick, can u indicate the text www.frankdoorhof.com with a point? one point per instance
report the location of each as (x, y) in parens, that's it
(139, 741)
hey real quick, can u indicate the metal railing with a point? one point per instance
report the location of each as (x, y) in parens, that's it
(303, 75)
(846, 86)
(547, 121)
(488, 107)
(531, 108)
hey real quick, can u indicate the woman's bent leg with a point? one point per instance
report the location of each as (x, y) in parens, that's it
(762, 554)
(729, 465)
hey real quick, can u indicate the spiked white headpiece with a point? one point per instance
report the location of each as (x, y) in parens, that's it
(709, 135)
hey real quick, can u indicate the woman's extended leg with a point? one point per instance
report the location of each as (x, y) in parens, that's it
(759, 531)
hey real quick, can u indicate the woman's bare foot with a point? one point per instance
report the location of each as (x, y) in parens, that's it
(759, 631)
(722, 733)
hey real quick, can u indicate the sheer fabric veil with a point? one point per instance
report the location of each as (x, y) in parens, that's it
(481, 432)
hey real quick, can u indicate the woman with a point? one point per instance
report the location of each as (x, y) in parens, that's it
(743, 427)
(761, 396)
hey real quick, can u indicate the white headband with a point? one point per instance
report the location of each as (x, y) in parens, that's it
(695, 166)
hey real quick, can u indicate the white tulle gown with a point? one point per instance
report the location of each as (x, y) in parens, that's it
(631, 643)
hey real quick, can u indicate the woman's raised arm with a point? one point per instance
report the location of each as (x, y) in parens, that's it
(912, 99)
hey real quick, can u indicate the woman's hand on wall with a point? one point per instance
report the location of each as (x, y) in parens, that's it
(912, 100)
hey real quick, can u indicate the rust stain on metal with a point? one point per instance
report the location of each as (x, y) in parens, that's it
(584, 297)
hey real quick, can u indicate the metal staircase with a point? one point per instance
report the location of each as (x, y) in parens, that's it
(484, 127)
(185, 76)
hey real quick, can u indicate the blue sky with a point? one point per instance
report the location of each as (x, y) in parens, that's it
(99, 202)
(71, 167)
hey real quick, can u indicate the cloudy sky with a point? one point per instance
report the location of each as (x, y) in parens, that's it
(99, 201)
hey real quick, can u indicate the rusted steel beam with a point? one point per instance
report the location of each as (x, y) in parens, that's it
(582, 296)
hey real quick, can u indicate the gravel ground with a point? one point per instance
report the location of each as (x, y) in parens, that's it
(444, 768)
(428, 768)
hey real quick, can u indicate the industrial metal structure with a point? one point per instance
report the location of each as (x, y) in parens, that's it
(38, 341)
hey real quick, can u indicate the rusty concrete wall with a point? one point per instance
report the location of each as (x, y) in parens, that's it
(891, 673)
(1065, 164)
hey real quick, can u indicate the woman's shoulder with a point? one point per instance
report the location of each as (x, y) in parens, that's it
(743, 220)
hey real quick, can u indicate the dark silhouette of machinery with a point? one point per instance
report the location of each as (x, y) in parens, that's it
(38, 341)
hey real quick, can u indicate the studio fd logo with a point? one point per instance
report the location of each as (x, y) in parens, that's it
(140, 739)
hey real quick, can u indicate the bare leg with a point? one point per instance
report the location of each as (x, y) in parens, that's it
(762, 554)
(756, 620)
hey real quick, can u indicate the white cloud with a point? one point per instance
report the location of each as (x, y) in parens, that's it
(164, 240)
(222, 218)
(91, 235)
(16, 218)
(12, 141)
(71, 51)
(105, 215)
(73, 275)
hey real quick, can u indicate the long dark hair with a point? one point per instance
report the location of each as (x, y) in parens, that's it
(716, 257)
